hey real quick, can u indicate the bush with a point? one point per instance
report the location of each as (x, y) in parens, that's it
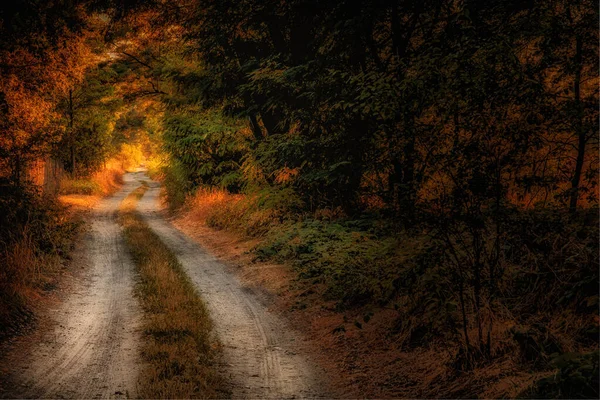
(355, 265)
(176, 184)
(156, 166)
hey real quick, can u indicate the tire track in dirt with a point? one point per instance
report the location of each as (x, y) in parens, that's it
(262, 356)
(88, 347)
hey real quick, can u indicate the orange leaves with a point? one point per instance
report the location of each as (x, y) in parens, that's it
(28, 113)
(286, 175)
(32, 83)
(67, 65)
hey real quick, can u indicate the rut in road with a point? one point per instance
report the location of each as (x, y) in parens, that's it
(262, 356)
(90, 349)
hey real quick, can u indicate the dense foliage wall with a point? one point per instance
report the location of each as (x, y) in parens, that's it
(456, 125)
(399, 105)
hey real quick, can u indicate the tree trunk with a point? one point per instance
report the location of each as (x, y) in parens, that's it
(258, 135)
(17, 170)
(71, 133)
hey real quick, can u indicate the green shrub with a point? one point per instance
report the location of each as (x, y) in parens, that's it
(356, 266)
(176, 184)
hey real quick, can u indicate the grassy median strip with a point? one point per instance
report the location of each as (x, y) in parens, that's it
(178, 349)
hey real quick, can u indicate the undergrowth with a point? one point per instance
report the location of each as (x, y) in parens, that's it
(179, 349)
(576, 378)
(79, 186)
(357, 266)
(36, 238)
(544, 307)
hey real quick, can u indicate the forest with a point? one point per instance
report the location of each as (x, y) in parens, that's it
(427, 170)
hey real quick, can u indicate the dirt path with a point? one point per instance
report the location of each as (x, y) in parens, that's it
(87, 347)
(263, 357)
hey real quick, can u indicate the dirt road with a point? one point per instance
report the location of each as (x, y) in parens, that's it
(87, 347)
(263, 358)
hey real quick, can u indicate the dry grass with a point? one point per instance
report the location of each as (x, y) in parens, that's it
(18, 278)
(85, 194)
(179, 349)
(24, 275)
(110, 178)
(207, 201)
(79, 201)
(219, 209)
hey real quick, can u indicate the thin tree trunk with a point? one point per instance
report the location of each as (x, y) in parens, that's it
(463, 310)
(71, 133)
(258, 135)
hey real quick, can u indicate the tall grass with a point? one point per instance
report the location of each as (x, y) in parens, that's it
(179, 349)
(253, 215)
(110, 178)
(36, 238)
(19, 278)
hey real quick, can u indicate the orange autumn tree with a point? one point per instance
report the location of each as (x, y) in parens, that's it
(38, 67)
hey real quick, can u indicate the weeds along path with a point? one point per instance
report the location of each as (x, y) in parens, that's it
(88, 346)
(262, 357)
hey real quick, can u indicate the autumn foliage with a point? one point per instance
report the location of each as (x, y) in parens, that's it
(437, 158)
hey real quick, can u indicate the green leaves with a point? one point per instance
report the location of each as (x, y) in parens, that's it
(206, 144)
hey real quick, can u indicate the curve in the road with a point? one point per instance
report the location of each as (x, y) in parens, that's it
(262, 355)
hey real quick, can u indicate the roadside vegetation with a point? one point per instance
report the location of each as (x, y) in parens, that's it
(545, 326)
(179, 349)
(436, 162)
(37, 238)
(101, 183)
(39, 231)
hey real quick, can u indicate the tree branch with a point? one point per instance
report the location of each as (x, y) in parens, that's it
(137, 60)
